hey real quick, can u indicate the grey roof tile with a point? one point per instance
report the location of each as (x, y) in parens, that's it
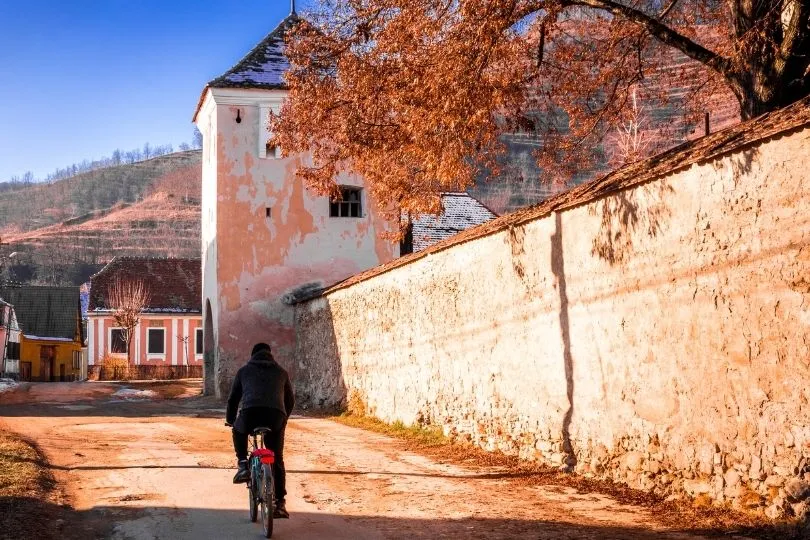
(264, 66)
(461, 212)
(52, 312)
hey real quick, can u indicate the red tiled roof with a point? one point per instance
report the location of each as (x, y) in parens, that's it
(175, 285)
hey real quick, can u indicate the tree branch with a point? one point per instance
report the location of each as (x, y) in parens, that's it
(663, 33)
(666, 10)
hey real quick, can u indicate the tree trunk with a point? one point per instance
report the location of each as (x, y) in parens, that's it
(759, 93)
(129, 348)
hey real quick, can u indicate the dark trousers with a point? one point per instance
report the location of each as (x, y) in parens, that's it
(276, 420)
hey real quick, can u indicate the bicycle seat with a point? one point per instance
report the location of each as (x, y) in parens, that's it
(261, 430)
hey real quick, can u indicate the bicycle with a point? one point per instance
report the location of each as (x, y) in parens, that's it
(261, 484)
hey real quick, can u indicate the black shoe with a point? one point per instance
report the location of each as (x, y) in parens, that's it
(281, 511)
(243, 474)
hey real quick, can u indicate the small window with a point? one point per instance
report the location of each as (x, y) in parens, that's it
(272, 151)
(118, 342)
(77, 360)
(198, 342)
(156, 341)
(406, 244)
(13, 352)
(266, 149)
(349, 205)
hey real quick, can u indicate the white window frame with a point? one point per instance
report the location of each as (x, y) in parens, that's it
(199, 354)
(264, 130)
(110, 341)
(149, 341)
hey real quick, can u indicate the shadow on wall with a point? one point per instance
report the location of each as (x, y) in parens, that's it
(558, 269)
(209, 351)
(40, 519)
(319, 383)
(742, 163)
(516, 237)
(627, 216)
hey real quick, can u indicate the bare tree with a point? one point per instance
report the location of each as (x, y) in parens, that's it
(127, 299)
(632, 138)
(184, 340)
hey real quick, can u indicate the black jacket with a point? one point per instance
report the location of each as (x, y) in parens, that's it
(261, 383)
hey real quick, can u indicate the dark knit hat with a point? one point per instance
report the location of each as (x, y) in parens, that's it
(260, 347)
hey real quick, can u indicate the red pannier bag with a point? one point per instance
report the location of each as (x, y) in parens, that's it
(265, 455)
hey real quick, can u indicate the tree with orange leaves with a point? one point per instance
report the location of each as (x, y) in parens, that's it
(414, 94)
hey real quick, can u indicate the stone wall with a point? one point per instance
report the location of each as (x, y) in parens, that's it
(656, 336)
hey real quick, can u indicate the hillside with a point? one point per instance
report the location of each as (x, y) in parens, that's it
(68, 230)
(34, 206)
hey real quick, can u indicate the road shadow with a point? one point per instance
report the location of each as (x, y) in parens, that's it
(106, 467)
(22, 403)
(148, 522)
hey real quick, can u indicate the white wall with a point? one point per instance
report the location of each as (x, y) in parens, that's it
(658, 336)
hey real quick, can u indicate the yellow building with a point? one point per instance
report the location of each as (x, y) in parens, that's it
(50, 322)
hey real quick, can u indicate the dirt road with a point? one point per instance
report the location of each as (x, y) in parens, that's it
(140, 467)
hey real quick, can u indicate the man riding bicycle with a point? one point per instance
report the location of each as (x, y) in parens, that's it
(264, 390)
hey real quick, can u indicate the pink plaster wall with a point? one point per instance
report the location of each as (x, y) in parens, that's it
(258, 259)
(100, 346)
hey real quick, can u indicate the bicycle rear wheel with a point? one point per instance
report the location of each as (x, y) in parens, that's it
(267, 499)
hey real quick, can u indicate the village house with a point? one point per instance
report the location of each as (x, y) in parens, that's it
(265, 238)
(9, 341)
(50, 331)
(263, 234)
(170, 329)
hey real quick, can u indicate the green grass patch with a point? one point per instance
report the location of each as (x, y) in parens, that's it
(425, 436)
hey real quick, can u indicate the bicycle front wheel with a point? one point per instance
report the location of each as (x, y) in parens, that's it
(268, 499)
(253, 493)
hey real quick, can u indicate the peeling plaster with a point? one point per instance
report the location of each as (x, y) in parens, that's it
(259, 259)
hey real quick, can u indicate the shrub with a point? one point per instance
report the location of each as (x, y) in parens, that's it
(115, 368)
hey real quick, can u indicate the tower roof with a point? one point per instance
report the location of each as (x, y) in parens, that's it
(264, 66)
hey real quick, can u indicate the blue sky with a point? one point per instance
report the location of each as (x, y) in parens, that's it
(79, 79)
